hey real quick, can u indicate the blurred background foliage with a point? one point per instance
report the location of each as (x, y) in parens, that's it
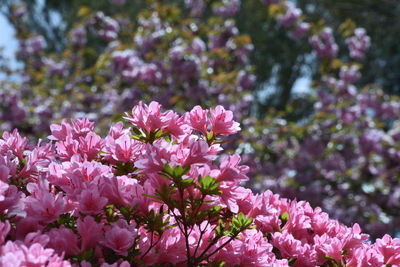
(382, 63)
(279, 60)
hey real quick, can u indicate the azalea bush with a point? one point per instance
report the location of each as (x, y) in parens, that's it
(159, 192)
(336, 148)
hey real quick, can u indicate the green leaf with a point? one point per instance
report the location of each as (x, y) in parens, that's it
(150, 196)
(87, 255)
(219, 230)
(175, 172)
(124, 168)
(136, 131)
(284, 217)
(187, 182)
(209, 185)
(158, 134)
(240, 223)
(210, 136)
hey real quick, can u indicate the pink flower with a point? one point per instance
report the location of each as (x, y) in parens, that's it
(81, 127)
(43, 205)
(117, 130)
(63, 240)
(3, 189)
(359, 43)
(123, 149)
(120, 237)
(324, 44)
(298, 223)
(13, 142)
(4, 172)
(300, 30)
(10, 198)
(26, 226)
(90, 232)
(288, 246)
(231, 195)
(68, 148)
(36, 237)
(150, 161)
(264, 211)
(4, 229)
(231, 171)
(177, 126)
(222, 122)
(389, 248)
(59, 132)
(76, 175)
(149, 118)
(197, 118)
(19, 255)
(365, 257)
(328, 246)
(170, 248)
(37, 161)
(250, 249)
(90, 145)
(197, 151)
(291, 16)
(91, 202)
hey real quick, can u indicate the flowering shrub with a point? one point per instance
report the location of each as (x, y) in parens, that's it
(158, 192)
(348, 166)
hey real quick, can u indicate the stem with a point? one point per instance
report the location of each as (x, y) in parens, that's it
(177, 220)
(150, 247)
(203, 256)
(212, 243)
(201, 236)
(197, 210)
(185, 226)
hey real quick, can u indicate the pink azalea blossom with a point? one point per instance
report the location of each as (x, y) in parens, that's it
(120, 237)
(90, 232)
(198, 119)
(222, 122)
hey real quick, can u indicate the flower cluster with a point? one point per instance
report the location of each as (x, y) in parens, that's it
(227, 8)
(349, 74)
(158, 193)
(324, 44)
(289, 16)
(105, 26)
(322, 40)
(31, 46)
(359, 43)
